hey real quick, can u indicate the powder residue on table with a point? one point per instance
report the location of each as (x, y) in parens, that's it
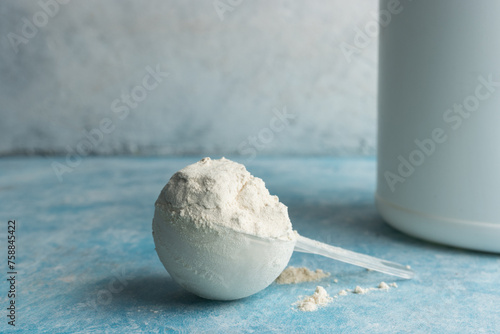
(311, 303)
(293, 275)
(343, 292)
(383, 285)
(361, 291)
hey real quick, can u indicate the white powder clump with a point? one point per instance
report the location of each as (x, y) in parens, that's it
(293, 275)
(383, 286)
(360, 290)
(311, 303)
(222, 192)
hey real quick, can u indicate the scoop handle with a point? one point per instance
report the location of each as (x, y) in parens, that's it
(306, 245)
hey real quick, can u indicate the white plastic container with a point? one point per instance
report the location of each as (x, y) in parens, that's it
(439, 121)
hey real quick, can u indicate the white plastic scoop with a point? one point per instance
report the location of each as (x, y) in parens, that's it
(225, 264)
(205, 229)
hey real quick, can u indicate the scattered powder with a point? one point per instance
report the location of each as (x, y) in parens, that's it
(293, 275)
(383, 285)
(343, 292)
(321, 297)
(311, 303)
(335, 281)
(360, 290)
(408, 267)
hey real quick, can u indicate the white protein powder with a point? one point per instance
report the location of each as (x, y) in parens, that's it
(383, 286)
(311, 303)
(222, 192)
(343, 292)
(293, 275)
(360, 290)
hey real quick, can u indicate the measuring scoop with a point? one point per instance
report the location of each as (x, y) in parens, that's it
(221, 263)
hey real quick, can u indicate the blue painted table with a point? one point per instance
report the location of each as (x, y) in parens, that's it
(86, 260)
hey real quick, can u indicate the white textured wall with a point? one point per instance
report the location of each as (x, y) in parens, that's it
(225, 77)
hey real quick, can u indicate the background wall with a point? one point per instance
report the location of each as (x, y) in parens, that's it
(67, 68)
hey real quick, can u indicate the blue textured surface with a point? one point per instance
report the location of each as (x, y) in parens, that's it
(87, 261)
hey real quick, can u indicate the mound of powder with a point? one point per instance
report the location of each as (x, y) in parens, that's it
(213, 193)
(343, 292)
(360, 290)
(311, 303)
(293, 275)
(383, 286)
